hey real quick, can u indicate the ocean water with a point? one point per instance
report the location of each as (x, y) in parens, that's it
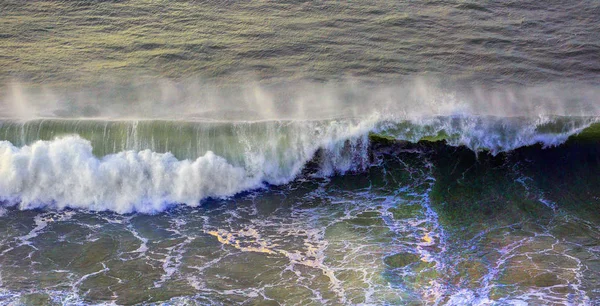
(299, 153)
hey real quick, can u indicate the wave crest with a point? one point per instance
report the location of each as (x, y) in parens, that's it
(227, 159)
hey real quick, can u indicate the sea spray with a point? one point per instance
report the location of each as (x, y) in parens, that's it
(193, 100)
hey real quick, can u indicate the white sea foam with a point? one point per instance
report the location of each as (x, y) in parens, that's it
(65, 173)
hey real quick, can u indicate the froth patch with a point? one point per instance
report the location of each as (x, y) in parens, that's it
(64, 173)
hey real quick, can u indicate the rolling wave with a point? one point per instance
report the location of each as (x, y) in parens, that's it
(148, 166)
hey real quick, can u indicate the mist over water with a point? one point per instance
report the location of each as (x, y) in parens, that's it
(301, 100)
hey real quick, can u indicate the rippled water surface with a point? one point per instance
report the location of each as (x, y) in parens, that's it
(72, 42)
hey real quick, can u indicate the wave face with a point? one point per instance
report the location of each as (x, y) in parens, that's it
(147, 166)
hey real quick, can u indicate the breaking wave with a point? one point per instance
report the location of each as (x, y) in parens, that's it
(147, 166)
(83, 150)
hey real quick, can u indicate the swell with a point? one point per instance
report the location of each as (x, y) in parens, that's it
(148, 166)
